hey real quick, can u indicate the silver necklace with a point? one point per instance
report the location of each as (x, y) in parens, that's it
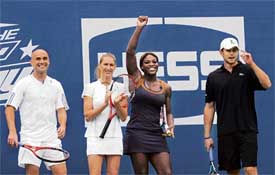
(148, 87)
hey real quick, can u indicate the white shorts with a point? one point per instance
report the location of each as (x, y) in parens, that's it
(25, 156)
(106, 146)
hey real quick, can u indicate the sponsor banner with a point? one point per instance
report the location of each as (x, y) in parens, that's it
(15, 54)
(184, 62)
(185, 36)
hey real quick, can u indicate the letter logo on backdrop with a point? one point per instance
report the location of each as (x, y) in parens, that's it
(15, 54)
(187, 47)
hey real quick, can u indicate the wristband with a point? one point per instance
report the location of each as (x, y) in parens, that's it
(207, 138)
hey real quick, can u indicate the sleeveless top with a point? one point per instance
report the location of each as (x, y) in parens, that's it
(146, 106)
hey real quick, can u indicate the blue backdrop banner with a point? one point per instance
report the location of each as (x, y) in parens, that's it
(184, 34)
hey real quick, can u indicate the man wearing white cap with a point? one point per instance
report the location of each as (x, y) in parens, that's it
(230, 92)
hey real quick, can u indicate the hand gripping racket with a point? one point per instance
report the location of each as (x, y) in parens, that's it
(48, 154)
(129, 87)
(212, 168)
(164, 123)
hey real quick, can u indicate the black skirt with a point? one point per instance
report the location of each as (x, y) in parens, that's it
(144, 141)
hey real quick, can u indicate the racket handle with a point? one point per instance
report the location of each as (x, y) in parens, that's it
(104, 130)
(211, 154)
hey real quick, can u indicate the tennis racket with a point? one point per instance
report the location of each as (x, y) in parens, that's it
(129, 88)
(212, 168)
(164, 123)
(48, 154)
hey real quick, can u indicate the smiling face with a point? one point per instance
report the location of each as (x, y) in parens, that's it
(40, 62)
(230, 56)
(150, 64)
(107, 66)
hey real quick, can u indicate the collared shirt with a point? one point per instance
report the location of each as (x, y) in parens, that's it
(233, 94)
(37, 102)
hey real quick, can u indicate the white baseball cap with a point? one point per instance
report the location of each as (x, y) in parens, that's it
(229, 43)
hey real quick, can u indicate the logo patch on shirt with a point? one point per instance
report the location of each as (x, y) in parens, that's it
(241, 74)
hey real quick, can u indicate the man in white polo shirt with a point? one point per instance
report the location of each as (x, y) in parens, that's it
(38, 98)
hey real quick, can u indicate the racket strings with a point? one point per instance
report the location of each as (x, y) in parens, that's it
(52, 154)
(128, 83)
(131, 96)
(130, 86)
(212, 169)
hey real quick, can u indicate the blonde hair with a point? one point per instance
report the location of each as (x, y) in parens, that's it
(97, 70)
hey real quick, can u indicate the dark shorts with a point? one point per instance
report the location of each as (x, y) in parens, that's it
(237, 150)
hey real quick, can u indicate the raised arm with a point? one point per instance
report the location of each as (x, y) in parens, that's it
(261, 75)
(131, 62)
